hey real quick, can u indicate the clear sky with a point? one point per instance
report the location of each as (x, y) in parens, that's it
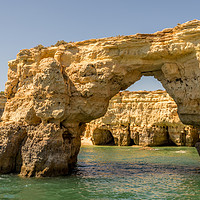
(27, 23)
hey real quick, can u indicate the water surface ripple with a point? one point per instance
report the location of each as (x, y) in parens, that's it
(116, 173)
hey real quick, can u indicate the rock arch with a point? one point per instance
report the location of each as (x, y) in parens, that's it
(55, 90)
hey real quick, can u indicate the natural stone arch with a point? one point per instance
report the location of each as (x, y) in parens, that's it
(57, 89)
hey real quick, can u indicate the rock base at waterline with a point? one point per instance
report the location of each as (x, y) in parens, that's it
(44, 150)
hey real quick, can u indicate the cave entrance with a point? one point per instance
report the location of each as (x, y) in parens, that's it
(183, 138)
(136, 138)
(169, 141)
(102, 137)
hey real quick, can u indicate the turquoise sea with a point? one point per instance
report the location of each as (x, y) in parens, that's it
(111, 172)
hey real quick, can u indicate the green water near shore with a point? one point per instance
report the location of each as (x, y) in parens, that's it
(116, 173)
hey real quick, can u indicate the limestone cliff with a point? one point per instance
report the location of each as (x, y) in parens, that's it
(53, 91)
(2, 103)
(142, 118)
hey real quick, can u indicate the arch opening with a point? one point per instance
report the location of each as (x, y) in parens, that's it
(144, 114)
(146, 83)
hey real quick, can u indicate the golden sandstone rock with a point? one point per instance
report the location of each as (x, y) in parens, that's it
(2, 103)
(141, 118)
(53, 91)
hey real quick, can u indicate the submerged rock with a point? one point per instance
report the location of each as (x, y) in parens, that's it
(55, 90)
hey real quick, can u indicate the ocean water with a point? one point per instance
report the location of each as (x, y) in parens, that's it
(110, 172)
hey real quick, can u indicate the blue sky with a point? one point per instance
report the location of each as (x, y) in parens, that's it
(27, 23)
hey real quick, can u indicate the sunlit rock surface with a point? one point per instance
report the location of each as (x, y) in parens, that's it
(56, 90)
(142, 118)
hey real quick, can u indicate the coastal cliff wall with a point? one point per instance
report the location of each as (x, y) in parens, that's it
(53, 91)
(2, 103)
(142, 118)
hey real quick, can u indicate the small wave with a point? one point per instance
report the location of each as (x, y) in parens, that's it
(180, 151)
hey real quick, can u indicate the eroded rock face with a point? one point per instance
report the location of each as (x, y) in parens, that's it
(70, 84)
(49, 151)
(12, 136)
(2, 103)
(43, 150)
(142, 118)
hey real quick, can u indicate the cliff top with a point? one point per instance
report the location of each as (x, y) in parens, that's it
(165, 32)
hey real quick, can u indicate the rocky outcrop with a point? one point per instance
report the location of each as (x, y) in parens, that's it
(2, 103)
(43, 150)
(142, 118)
(69, 84)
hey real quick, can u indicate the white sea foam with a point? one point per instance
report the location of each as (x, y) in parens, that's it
(180, 151)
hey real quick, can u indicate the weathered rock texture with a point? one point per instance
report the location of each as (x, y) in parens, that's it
(57, 89)
(2, 103)
(142, 118)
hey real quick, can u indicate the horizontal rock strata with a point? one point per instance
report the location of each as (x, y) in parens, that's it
(53, 91)
(142, 118)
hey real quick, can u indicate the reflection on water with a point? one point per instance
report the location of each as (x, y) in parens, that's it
(116, 173)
